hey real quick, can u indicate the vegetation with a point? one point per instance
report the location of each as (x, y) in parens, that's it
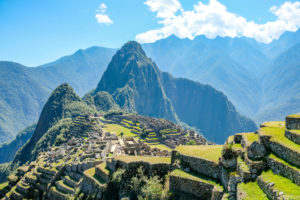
(8, 150)
(195, 177)
(208, 152)
(149, 159)
(251, 191)
(276, 124)
(118, 129)
(277, 135)
(290, 189)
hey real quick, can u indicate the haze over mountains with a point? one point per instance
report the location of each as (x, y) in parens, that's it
(260, 80)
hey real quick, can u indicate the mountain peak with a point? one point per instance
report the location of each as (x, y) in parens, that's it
(53, 111)
(132, 47)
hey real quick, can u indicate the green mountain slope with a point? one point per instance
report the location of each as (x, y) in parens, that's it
(24, 90)
(53, 111)
(133, 80)
(8, 150)
(204, 107)
(22, 97)
(137, 85)
(282, 86)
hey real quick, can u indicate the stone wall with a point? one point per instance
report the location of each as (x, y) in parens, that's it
(268, 189)
(198, 165)
(292, 136)
(288, 172)
(160, 169)
(197, 188)
(292, 123)
(285, 153)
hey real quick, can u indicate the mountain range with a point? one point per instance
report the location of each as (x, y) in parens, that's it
(260, 80)
(134, 82)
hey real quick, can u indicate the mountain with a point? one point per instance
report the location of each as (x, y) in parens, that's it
(8, 150)
(133, 81)
(22, 97)
(204, 107)
(137, 85)
(281, 85)
(231, 65)
(53, 111)
(24, 90)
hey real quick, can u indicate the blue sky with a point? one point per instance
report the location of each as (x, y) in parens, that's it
(34, 32)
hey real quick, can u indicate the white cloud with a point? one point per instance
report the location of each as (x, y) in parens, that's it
(213, 19)
(102, 8)
(164, 8)
(101, 17)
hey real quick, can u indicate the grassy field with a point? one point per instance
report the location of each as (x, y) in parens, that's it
(3, 185)
(277, 135)
(293, 116)
(282, 184)
(251, 190)
(118, 129)
(180, 173)
(244, 167)
(274, 157)
(277, 124)
(250, 137)
(208, 152)
(149, 159)
(103, 168)
(160, 146)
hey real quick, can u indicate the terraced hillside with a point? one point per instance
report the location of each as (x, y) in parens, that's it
(259, 165)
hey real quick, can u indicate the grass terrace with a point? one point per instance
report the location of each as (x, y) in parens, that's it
(250, 137)
(251, 190)
(276, 124)
(118, 129)
(92, 174)
(208, 152)
(103, 168)
(293, 116)
(3, 185)
(274, 157)
(149, 159)
(277, 135)
(282, 184)
(243, 166)
(195, 177)
(168, 131)
(160, 146)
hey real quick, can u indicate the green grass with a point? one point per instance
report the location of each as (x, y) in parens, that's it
(282, 184)
(277, 124)
(103, 168)
(250, 137)
(297, 132)
(208, 152)
(118, 129)
(277, 135)
(274, 157)
(3, 185)
(251, 190)
(167, 131)
(149, 159)
(160, 146)
(180, 173)
(293, 116)
(243, 166)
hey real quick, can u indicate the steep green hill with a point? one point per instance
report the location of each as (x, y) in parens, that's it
(24, 90)
(133, 80)
(8, 150)
(53, 111)
(137, 85)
